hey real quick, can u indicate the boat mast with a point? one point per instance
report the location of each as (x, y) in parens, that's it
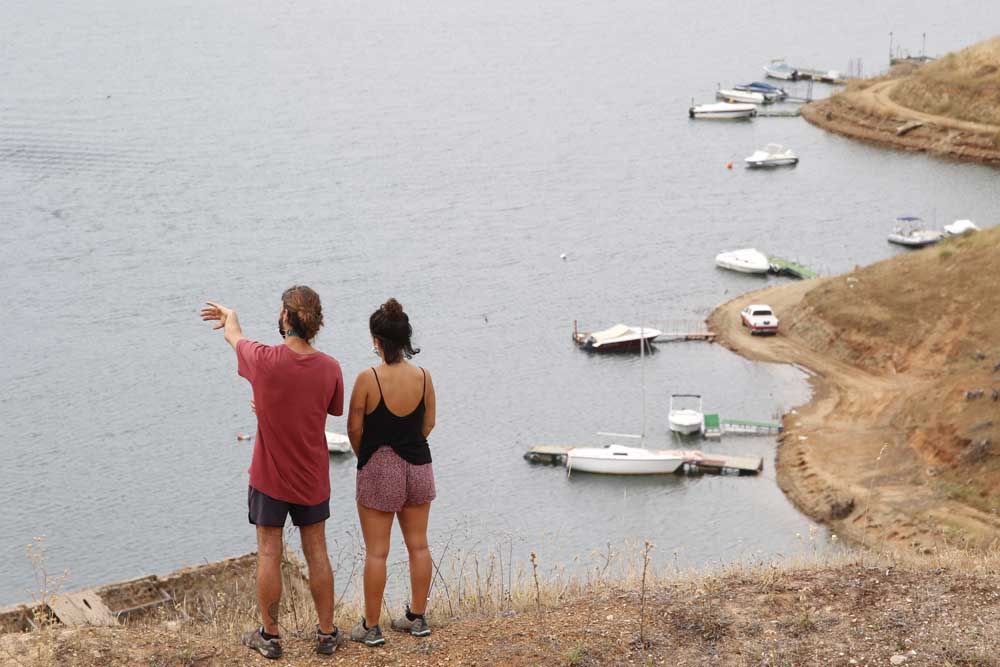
(642, 380)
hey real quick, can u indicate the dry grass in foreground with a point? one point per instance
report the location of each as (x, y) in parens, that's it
(862, 610)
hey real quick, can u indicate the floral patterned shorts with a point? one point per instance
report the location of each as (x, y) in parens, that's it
(388, 483)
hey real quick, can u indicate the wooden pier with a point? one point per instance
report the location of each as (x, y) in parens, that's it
(673, 337)
(779, 113)
(695, 461)
(748, 427)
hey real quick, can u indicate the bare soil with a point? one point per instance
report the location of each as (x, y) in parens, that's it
(892, 451)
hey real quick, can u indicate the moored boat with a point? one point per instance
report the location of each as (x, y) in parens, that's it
(960, 227)
(617, 338)
(686, 420)
(910, 232)
(622, 460)
(779, 69)
(772, 155)
(747, 260)
(740, 96)
(337, 443)
(767, 90)
(723, 111)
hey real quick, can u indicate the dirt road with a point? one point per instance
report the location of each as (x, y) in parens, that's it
(844, 458)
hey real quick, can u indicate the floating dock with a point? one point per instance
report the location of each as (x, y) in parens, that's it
(823, 75)
(673, 337)
(697, 462)
(779, 113)
(748, 427)
(713, 427)
(785, 267)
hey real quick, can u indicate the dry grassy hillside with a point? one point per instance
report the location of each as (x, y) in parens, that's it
(964, 85)
(933, 317)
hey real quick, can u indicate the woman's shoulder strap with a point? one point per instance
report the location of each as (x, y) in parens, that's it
(375, 373)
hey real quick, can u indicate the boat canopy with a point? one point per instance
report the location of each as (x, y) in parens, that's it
(617, 331)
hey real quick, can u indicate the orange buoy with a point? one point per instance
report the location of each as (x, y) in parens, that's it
(729, 165)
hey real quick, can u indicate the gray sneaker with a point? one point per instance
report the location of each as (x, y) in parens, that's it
(417, 627)
(254, 640)
(326, 644)
(368, 636)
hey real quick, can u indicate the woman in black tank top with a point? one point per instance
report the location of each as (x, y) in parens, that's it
(391, 414)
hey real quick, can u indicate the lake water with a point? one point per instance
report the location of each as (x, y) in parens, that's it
(154, 155)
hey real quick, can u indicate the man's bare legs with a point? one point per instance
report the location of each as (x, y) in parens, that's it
(413, 523)
(269, 551)
(320, 573)
(376, 527)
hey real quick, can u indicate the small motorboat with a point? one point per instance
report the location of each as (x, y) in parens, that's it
(772, 155)
(723, 111)
(747, 260)
(767, 90)
(617, 338)
(779, 69)
(686, 420)
(740, 96)
(337, 443)
(960, 227)
(910, 232)
(622, 460)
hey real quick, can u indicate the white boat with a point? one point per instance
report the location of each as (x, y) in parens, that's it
(337, 443)
(779, 69)
(686, 420)
(910, 232)
(747, 260)
(740, 96)
(723, 111)
(960, 227)
(772, 155)
(622, 460)
(618, 337)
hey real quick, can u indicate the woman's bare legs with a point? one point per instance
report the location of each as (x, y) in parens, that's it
(376, 528)
(413, 522)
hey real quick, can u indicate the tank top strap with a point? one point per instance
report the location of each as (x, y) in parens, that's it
(375, 373)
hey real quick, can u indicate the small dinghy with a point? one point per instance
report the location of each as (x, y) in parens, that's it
(779, 69)
(910, 232)
(740, 96)
(747, 260)
(960, 227)
(772, 155)
(684, 418)
(622, 460)
(723, 111)
(337, 443)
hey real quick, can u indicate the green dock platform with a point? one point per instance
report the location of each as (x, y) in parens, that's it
(786, 267)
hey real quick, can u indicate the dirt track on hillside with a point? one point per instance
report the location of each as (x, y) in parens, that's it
(843, 458)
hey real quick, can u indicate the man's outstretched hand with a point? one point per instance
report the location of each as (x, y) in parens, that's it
(212, 312)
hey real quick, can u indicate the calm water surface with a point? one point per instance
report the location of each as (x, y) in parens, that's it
(154, 155)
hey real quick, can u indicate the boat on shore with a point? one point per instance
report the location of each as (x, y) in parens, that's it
(740, 96)
(779, 69)
(910, 232)
(723, 111)
(772, 155)
(622, 460)
(683, 417)
(960, 227)
(747, 260)
(620, 337)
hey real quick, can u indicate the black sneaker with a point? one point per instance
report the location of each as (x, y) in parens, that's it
(254, 640)
(326, 644)
(368, 636)
(417, 627)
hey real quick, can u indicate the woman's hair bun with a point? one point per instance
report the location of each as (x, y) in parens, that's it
(393, 309)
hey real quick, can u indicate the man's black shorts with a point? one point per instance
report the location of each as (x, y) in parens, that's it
(268, 511)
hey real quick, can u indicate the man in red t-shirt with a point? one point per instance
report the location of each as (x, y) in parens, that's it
(294, 386)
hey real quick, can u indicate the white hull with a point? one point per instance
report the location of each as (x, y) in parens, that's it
(723, 111)
(771, 162)
(740, 96)
(337, 443)
(915, 240)
(744, 261)
(686, 421)
(621, 460)
(960, 227)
